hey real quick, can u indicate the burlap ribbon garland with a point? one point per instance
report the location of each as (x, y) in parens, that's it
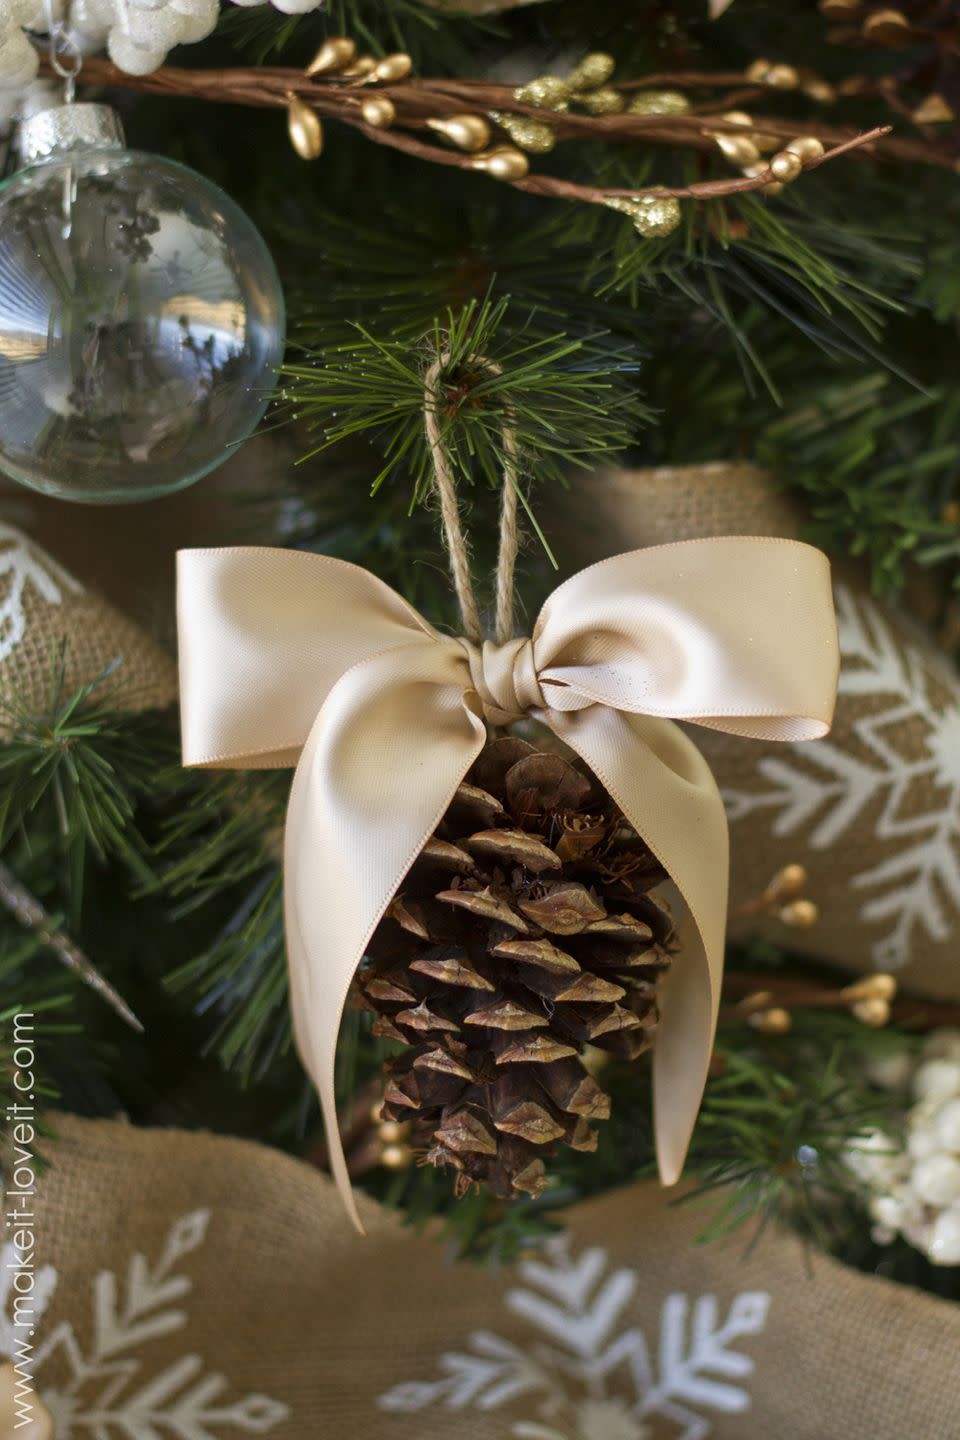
(204, 1286)
(297, 659)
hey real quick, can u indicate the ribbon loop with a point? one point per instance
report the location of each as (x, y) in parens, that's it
(290, 658)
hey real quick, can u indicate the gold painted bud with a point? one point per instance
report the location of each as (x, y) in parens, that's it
(771, 1022)
(594, 1060)
(800, 914)
(782, 77)
(872, 987)
(788, 881)
(379, 111)
(653, 216)
(391, 69)
(363, 66)
(873, 1012)
(592, 72)
(548, 92)
(503, 162)
(467, 132)
(534, 136)
(757, 72)
(393, 1131)
(603, 101)
(933, 111)
(304, 128)
(737, 117)
(334, 54)
(396, 1157)
(887, 27)
(819, 90)
(739, 149)
(808, 147)
(786, 166)
(659, 102)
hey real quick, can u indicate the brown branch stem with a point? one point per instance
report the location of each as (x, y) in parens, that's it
(418, 100)
(789, 992)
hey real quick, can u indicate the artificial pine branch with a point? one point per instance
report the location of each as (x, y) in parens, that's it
(219, 855)
(76, 775)
(572, 401)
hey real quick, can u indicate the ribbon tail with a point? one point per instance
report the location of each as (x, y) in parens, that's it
(665, 788)
(385, 755)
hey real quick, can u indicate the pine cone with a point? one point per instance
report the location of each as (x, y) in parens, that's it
(524, 933)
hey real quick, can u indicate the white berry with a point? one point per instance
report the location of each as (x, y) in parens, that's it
(937, 1079)
(937, 1179)
(943, 1246)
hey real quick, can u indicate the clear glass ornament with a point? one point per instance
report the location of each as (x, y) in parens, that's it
(141, 316)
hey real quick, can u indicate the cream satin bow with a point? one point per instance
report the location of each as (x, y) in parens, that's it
(297, 659)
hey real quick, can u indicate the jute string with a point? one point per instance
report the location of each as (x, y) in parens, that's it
(454, 537)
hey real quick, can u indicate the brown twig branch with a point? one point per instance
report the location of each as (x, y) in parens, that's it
(746, 992)
(419, 100)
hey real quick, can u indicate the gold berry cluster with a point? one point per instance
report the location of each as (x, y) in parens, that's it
(744, 146)
(338, 60)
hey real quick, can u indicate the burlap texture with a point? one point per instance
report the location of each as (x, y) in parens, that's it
(873, 812)
(198, 1278)
(46, 612)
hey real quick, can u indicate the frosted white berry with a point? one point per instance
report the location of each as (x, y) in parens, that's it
(18, 60)
(893, 1071)
(130, 57)
(943, 1245)
(922, 1142)
(947, 1126)
(888, 1210)
(148, 29)
(876, 1159)
(937, 1079)
(943, 1044)
(937, 1179)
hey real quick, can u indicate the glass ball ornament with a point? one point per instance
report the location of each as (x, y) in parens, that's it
(141, 316)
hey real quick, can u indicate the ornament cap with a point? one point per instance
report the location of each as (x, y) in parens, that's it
(55, 132)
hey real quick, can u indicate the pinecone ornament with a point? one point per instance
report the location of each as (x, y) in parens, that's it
(524, 933)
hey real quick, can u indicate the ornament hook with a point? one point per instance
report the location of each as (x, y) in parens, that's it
(66, 57)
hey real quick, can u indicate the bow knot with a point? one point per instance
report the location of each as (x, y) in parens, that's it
(505, 678)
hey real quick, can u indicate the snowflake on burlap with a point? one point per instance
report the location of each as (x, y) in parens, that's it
(108, 1387)
(906, 773)
(23, 565)
(587, 1372)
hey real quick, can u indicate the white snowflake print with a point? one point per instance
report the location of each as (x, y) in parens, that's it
(110, 1390)
(912, 788)
(23, 563)
(587, 1372)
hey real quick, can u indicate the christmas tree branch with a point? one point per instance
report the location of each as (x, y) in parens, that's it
(572, 401)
